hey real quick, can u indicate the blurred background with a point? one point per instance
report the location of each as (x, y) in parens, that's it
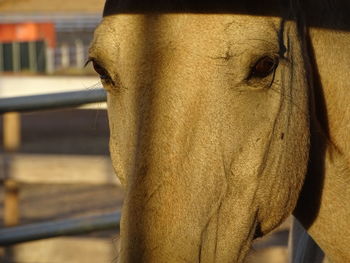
(47, 37)
(54, 164)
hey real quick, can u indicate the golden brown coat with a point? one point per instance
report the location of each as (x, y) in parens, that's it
(217, 120)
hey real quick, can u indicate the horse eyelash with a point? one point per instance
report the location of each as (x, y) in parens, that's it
(87, 62)
(105, 78)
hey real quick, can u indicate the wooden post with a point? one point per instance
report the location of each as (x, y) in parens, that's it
(11, 207)
(12, 140)
(12, 131)
(33, 63)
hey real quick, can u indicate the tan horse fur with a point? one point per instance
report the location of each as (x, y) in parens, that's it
(211, 153)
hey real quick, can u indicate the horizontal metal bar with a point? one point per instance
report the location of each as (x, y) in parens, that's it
(52, 101)
(83, 225)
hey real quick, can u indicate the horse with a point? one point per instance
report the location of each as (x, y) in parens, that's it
(226, 117)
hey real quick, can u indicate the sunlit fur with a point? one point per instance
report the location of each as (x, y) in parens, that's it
(209, 155)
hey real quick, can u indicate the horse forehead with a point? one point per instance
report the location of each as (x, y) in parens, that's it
(209, 29)
(199, 21)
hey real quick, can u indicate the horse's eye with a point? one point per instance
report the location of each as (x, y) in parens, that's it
(264, 67)
(100, 71)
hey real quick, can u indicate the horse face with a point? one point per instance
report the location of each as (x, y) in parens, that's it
(209, 130)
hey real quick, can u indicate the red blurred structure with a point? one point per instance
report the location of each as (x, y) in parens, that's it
(24, 32)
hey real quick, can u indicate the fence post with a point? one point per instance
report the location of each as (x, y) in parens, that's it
(16, 57)
(64, 55)
(50, 59)
(79, 53)
(12, 139)
(33, 65)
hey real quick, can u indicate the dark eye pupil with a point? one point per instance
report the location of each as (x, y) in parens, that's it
(100, 70)
(264, 67)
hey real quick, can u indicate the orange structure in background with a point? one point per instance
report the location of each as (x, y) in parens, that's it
(23, 32)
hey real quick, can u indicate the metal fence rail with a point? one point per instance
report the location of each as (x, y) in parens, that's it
(19, 234)
(82, 225)
(52, 101)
